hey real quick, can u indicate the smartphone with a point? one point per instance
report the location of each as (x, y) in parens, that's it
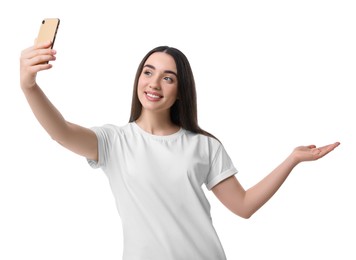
(48, 30)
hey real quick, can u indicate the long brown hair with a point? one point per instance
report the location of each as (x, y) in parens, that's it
(184, 111)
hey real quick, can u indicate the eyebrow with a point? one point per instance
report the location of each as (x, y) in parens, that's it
(166, 71)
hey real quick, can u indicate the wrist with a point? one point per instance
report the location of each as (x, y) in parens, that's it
(28, 87)
(293, 160)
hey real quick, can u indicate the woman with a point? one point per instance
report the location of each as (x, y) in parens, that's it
(157, 163)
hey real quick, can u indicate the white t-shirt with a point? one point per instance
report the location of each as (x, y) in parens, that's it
(157, 185)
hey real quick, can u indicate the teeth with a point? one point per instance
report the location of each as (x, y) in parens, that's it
(152, 96)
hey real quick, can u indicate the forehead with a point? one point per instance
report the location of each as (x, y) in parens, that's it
(162, 61)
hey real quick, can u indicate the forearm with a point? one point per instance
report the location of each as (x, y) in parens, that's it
(245, 203)
(46, 113)
(259, 194)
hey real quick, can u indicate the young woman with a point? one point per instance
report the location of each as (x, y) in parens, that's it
(157, 163)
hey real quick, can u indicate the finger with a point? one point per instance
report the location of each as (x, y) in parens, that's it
(32, 51)
(330, 146)
(40, 67)
(25, 52)
(36, 59)
(324, 150)
(40, 59)
(311, 146)
(43, 45)
(38, 52)
(45, 66)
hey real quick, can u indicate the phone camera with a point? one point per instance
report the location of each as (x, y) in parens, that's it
(43, 21)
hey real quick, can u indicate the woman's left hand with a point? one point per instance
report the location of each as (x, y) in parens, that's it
(311, 152)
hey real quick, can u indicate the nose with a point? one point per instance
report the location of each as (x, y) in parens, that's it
(154, 84)
(155, 87)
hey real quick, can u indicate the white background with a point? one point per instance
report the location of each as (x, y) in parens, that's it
(271, 75)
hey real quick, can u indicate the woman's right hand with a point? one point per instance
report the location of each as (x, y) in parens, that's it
(33, 60)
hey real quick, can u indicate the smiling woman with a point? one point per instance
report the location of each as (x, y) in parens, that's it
(158, 85)
(158, 161)
(174, 75)
(166, 79)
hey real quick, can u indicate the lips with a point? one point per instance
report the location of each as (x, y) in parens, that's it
(153, 96)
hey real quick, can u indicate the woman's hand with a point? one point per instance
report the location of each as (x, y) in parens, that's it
(33, 60)
(311, 152)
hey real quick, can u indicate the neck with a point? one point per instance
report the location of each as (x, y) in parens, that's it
(156, 123)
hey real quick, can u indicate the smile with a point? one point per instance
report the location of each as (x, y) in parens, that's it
(152, 96)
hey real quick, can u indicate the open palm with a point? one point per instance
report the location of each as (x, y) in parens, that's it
(311, 152)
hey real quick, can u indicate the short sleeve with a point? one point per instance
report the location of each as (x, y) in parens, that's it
(221, 166)
(105, 135)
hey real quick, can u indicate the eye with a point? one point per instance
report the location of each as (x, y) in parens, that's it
(147, 72)
(169, 79)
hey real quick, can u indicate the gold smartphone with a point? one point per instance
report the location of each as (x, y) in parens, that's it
(48, 30)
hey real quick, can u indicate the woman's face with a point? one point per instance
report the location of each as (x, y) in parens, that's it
(158, 83)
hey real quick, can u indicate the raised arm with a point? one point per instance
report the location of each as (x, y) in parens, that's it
(246, 203)
(76, 138)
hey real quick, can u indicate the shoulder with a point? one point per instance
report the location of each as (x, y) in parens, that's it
(111, 131)
(115, 128)
(204, 141)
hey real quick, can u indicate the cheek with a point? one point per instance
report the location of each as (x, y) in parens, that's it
(141, 86)
(174, 92)
(139, 89)
(140, 83)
